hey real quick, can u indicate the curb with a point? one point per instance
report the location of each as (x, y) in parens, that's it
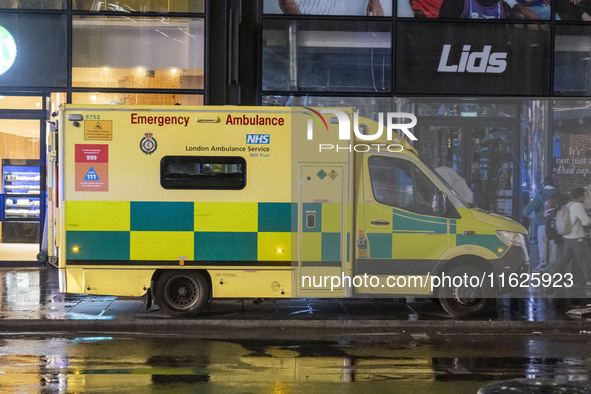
(217, 328)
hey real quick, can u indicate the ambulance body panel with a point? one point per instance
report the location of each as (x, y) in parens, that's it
(189, 203)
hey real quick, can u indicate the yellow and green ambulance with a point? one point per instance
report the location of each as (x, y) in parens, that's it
(190, 204)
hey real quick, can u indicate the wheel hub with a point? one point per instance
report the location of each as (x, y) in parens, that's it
(182, 292)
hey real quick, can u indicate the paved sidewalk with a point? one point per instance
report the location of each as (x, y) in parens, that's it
(30, 302)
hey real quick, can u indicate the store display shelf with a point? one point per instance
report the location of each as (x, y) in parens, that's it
(21, 205)
(21, 178)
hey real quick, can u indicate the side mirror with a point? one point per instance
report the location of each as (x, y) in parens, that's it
(440, 203)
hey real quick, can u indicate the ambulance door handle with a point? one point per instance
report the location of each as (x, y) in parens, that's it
(380, 222)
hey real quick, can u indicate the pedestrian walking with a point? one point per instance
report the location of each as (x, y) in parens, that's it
(547, 248)
(575, 246)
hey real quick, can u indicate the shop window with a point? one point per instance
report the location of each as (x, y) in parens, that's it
(368, 107)
(571, 145)
(450, 58)
(137, 98)
(572, 67)
(138, 53)
(534, 144)
(329, 7)
(33, 50)
(567, 10)
(21, 102)
(467, 109)
(194, 6)
(34, 4)
(20, 188)
(331, 56)
(203, 172)
(475, 9)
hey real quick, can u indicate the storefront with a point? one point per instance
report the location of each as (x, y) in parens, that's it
(502, 101)
(484, 86)
(22, 203)
(53, 52)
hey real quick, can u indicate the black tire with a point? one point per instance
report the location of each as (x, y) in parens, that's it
(465, 301)
(182, 293)
(42, 257)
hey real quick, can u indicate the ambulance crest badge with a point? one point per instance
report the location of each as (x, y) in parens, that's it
(148, 144)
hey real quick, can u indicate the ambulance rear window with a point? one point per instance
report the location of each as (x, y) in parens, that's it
(203, 172)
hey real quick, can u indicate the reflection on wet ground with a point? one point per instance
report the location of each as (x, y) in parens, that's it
(33, 294)
(430, 364)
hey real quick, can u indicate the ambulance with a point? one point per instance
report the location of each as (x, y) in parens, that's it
(190, 204)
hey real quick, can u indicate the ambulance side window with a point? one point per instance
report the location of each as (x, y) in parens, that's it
(401, 184)
(203, 172)
(391, 181)
(425, 194)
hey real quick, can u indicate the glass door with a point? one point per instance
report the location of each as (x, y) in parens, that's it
(492, 163)
(482, 154)
(22, 183)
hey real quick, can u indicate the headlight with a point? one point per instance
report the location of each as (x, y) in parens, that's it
(511, 238)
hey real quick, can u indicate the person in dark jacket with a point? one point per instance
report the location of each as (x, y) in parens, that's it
(547, 248)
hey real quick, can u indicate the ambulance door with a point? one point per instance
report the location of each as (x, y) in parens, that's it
(52, 233)
(404, 227)
(321, 229)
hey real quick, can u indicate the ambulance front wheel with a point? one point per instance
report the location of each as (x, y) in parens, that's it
(182, 293)
(461, 300)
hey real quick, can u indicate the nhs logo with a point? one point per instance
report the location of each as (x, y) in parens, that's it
(257, 138)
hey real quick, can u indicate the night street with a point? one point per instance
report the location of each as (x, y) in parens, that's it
(295, 196)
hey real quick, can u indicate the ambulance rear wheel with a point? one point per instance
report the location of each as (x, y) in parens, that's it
(182, 293)
(461, 299)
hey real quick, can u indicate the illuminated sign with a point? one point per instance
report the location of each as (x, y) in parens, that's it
(7, 50)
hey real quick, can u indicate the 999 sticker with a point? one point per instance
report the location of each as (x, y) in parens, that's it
(91, 168)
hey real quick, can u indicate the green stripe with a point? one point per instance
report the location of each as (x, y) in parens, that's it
(214, 246)
(380, 246)
(162, 216)
(331, 247)
(488, 241)
(403, 222)
(277, 217)
(98, 245)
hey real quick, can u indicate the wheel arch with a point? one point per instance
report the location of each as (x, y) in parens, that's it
(465, 259)
(158, 273)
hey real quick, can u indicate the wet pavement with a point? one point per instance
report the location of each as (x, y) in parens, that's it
(415, 364)
(30, 302)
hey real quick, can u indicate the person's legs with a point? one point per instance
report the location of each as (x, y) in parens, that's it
(580, 258)
(542, 243)
(552, 252)
(578, 292)
(557, 290)
(563, 260)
